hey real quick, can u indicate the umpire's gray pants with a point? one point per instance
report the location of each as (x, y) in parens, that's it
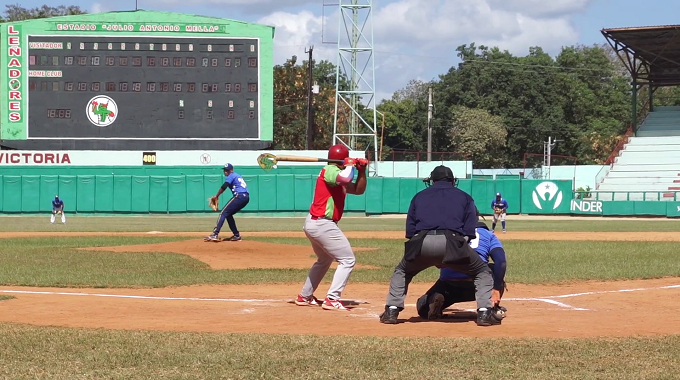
(432, 253)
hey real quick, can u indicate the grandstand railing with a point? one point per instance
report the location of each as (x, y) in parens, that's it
(665, 196)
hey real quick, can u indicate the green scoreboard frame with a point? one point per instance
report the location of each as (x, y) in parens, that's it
(137, 81)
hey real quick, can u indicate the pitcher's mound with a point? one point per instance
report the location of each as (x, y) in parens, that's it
(235, 255)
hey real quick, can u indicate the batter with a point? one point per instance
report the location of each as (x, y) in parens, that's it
(321, 227)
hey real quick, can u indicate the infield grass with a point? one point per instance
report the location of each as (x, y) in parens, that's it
(97, 354)
(76, 223)
(56, 262)
(5, 298)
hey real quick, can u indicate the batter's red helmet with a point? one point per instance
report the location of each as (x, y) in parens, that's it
(338, 152)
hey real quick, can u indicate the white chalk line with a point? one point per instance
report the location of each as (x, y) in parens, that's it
(546, 299)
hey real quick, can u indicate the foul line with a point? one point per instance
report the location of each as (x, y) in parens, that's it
(140, 297)
(546, 299)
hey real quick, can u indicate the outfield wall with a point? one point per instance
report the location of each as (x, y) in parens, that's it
(289, 194)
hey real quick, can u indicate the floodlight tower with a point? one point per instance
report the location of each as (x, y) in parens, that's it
(355, 79)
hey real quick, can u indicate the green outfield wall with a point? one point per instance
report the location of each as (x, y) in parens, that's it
(186, 190)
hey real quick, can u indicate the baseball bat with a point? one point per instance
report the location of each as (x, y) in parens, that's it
(306, 159)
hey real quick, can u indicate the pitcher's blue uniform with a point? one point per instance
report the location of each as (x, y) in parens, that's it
(458, 287)
(240, 199)
(502, 205)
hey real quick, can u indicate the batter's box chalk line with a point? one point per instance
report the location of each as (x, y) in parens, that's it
(547, 299)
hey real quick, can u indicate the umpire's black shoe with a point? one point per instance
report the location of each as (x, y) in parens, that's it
(390, 315)
(487, 317)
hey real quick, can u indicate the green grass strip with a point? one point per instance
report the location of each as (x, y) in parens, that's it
(58, 353)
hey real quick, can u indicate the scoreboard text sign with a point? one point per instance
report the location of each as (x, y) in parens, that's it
(143, 88)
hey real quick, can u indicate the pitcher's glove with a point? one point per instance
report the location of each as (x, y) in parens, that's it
(214, 203)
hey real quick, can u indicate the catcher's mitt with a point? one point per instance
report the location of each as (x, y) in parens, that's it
(214, 203)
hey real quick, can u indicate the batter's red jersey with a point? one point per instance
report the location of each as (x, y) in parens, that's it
(329, 195)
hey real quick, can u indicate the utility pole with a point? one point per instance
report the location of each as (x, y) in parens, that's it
(310, 107)
(429, 124)
(547, 151)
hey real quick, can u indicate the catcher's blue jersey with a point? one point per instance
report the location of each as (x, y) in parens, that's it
(236, 183)
(485, 243)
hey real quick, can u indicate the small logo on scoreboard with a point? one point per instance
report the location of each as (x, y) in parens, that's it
(102, 111)
(14, 84)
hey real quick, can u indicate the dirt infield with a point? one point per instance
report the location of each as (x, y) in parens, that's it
(268, 309)
(234, 255)
(622, 308)
(512, 235)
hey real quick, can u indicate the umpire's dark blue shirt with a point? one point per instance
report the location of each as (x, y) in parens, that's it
(442, 207)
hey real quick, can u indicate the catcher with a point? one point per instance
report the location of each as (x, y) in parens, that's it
(238, 187)
(454, 287)
(500, 209)
(57, 209)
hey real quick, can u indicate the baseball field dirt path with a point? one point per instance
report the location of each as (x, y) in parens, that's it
(620, 308)
(610, 309)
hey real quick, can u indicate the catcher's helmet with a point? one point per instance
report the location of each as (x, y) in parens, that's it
(338, 152)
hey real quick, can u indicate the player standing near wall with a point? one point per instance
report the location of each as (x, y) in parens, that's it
(58, 209)
(321, 227)
(500, 210)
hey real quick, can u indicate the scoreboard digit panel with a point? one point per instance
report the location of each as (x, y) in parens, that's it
(143, 88)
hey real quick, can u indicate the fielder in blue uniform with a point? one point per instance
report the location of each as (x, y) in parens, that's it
(57, 208)
(240, 199)
(500, 210)
(454, 287)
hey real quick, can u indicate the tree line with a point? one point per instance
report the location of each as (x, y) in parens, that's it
(492, 107)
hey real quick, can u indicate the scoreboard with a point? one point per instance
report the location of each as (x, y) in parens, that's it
(142, 91)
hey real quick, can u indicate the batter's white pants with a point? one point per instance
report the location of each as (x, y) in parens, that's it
(329, 244)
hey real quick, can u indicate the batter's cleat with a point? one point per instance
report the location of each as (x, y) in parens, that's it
(307, 301)
(235, 238)
(487, 317)
(435, 311)
(331, 304)
(389, 316)
(212, 237)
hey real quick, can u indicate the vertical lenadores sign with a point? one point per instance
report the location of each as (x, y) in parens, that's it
(14, 83)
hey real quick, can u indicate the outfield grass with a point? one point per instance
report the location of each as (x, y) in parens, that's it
(206, 223)
(96, 354)
(51, 262)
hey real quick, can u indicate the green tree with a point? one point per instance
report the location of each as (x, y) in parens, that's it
(478, 135)
(15, 12)
(290, 104)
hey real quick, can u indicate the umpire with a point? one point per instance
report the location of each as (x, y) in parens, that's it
(441, 221)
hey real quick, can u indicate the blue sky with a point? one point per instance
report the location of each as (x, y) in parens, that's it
(416, 39)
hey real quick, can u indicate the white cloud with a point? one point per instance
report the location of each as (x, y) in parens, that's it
(99, 8)
(418, 38)
(244, 6)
